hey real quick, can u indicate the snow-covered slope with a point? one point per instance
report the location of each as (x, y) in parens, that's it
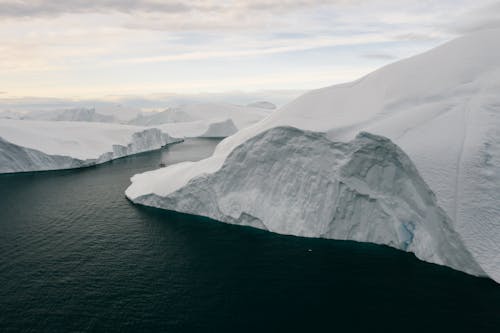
(241, 116)
(40, 145)
(442, 108)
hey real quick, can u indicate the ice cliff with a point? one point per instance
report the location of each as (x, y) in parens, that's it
(442, 108)
(364, 190)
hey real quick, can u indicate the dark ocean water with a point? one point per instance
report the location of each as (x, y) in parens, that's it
(75, 255)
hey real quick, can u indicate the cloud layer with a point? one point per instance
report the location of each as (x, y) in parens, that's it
(77, 47)
(35, 8)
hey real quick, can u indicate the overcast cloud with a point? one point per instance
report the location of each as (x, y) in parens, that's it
(88, 48)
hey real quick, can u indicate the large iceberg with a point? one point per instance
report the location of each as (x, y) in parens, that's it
(39, 145)
(442, 108)
(365, 190)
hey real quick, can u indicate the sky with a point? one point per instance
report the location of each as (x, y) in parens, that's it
(100, 49)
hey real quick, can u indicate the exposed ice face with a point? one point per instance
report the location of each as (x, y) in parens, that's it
(440, 107)
(297, 182)
(146, 140)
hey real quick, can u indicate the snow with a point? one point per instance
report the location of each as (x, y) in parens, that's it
(40, 145)
(442, 108)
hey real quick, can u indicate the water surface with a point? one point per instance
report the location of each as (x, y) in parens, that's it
(77, 256)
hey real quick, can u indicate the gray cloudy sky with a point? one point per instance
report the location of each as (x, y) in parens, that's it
(77, 48)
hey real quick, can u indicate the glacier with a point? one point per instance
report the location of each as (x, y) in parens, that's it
(38, 145)
(442, 108)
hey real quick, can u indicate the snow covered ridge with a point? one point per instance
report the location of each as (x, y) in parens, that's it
(364, 190)
(36, 146)
(442, 108)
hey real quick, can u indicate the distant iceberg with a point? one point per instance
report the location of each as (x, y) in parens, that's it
(240, 116)
(200, 129)
(80, 137)
(39, 145)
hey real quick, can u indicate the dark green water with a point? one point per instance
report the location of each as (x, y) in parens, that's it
(77, 256)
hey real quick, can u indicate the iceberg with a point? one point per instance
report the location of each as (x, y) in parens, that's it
(200, 129)
(241, 116)
(365, 190)
(77, 114)
(104, 112)
(162, 117)
(40, 145)
(262, 105)
(441, 108)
